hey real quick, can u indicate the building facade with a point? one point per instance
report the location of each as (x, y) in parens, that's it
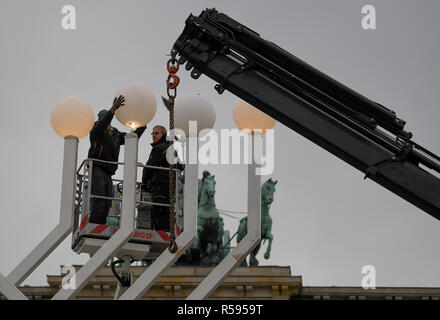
(244, 283)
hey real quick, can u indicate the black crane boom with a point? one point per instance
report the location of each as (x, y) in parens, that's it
(363, 133)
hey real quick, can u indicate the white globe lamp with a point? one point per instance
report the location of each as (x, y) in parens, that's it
(194, 109)
(72, 116)
(139, 107)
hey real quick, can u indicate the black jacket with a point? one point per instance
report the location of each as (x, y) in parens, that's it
(105, 144)
(157, 158)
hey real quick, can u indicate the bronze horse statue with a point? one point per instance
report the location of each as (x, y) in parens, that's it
(209, 223)
(267, 192)
(207, 249)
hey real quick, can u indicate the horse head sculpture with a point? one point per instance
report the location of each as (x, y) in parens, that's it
(267, 192)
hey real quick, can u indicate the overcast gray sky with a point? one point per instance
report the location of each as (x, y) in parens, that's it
(328, 221)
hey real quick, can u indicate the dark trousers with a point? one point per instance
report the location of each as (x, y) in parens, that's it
(160, 216)
(101, 186)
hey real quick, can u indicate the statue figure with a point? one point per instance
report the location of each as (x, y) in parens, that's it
(209, 223)
(207, 249)
(267, 191)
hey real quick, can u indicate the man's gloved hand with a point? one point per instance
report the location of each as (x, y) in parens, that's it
(117, 103)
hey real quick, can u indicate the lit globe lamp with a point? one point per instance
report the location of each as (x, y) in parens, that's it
(140, 106)
(247, 116)
(72, 118)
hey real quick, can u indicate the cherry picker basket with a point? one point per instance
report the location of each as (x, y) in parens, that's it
(146, 243)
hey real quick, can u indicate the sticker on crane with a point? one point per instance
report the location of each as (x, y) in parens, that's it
(106, 230)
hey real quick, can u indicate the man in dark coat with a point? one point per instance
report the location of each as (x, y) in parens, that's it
(105, 142)
(157, 181)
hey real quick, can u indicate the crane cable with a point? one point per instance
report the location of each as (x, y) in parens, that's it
(172, 67)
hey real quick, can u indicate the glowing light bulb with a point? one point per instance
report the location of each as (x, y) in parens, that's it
(72, 116)
(247, 116)
(140, 106)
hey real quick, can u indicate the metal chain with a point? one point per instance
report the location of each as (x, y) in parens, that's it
(172, 69)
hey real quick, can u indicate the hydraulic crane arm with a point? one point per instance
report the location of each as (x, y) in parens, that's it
(359, 131)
